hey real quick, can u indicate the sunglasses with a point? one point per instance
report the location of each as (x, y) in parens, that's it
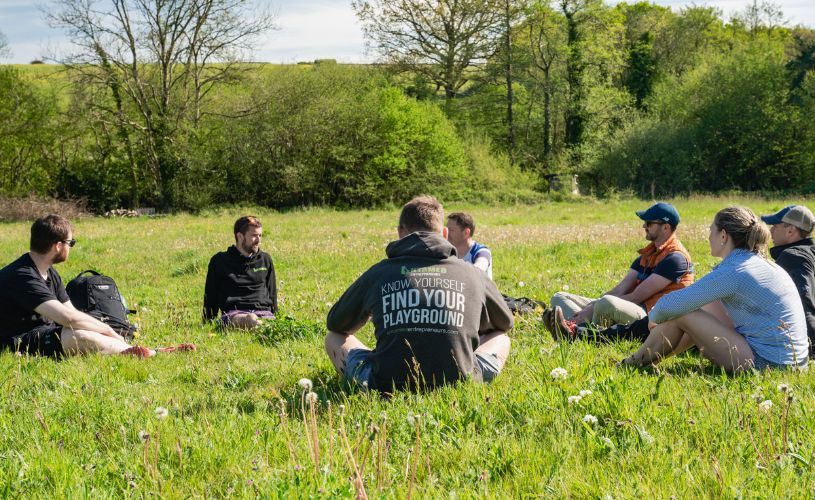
(650, 222)
(70, 242)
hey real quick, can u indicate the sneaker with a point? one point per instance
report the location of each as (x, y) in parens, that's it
(567, 329)
(138, 351)
(548, 322)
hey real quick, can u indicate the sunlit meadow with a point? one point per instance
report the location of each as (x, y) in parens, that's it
(263, 414)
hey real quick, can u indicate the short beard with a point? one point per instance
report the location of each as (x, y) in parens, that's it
(248, 249)
(60, 257)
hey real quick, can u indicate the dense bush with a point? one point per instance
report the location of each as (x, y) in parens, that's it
(728, 124)
(337, 135)
(26, 134)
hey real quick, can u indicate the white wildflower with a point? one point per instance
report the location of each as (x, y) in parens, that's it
(585, 392)
(311, 398)
(646, 437)
(566, 287)
(413, 419)
(765, 405)
(521, 284)
(590, 419)
(305, 384)
(162, 413)
(559, 373)
(573, 400)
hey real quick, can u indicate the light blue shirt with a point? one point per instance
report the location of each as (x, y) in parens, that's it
(760, 298)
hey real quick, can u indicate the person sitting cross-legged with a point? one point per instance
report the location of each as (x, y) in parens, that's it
(662, 267)
(36, 315)
(241, 281)
(760, 322)
(437, 319)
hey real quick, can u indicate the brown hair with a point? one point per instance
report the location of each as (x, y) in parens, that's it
(422, 213)
(47, 231)
(746, 230)
(245, 222)
(464, 220)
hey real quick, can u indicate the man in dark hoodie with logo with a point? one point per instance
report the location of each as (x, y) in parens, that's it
(793, 250)
(436, 318)
(241, 281)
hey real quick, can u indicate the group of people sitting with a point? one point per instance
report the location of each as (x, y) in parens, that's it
(438, 316)
(748, 312)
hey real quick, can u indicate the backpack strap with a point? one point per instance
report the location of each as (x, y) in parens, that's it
(88, 271)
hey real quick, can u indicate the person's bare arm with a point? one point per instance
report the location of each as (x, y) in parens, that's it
(653, 284)
(68, 316)
(482, 263)
(623, 287)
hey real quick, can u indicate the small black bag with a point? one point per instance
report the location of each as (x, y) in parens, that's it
(98, 296)
(523, 305)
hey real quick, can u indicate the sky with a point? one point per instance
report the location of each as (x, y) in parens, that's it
(308, 29)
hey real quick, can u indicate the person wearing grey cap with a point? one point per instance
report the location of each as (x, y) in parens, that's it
(793, 250)
(663, 266)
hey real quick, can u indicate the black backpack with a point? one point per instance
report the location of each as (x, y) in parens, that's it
(523, 305)
(98, 296)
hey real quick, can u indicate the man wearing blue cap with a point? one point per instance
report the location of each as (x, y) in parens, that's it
(661, 267)
(793, 250)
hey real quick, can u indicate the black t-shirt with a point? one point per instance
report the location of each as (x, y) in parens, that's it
(22, 289)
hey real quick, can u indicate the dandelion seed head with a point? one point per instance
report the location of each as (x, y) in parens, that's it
(312, 398)
(765, 405)
(162, 413)
(144, 436)
(783, 387)
(305, 384)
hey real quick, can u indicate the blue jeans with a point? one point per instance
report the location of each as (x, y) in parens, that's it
(359, 371)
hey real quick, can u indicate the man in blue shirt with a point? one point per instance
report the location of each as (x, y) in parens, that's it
(460, 231)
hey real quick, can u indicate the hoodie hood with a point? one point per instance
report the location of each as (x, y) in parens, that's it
(421, 244)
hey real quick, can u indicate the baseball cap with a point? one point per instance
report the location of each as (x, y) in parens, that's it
(796, 215)
(660, 211)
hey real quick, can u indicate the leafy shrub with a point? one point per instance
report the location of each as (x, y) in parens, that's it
(336, 135)
(288, 328)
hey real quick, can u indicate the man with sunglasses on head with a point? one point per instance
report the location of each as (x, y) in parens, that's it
(36, 315)
(663, 266)
(241, 281)
(793, 250)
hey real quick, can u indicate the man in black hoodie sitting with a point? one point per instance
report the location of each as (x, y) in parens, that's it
(241, 281)
(436, 318)
(793, 250)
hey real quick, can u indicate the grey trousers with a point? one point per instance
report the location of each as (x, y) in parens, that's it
(608, 310)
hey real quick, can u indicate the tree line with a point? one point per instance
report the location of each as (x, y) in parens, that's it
(482, 100)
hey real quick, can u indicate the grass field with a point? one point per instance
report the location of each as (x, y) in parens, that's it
(78, 428)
